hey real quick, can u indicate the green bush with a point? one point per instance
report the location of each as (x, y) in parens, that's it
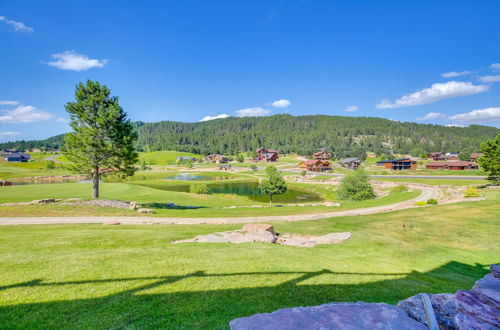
(421, 203)
(303, 173)
(253, 167)
(399, 188)
(432, 201)
(198, 188)
(471, 192)
(356, 186)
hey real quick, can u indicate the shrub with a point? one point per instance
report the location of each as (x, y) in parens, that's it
(198, 188)
(303, 173)
(253, 167)
(356, 186)
(432, 201)
(471, 192)
(421, 203)
(399, 188)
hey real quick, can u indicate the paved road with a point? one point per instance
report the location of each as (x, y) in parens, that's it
(427, 193)
(54, 159)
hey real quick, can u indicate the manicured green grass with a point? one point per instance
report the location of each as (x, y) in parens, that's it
(10, 170)
(449, 182)
(94, 276)
(210, 204)
(164, 157)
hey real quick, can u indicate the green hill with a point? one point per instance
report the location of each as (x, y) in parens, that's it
(303, 134)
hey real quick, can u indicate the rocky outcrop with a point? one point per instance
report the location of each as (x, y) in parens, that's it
(265, 233)
(477, 309)
(345, 316)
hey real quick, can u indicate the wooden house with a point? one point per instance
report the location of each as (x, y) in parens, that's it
(268, 155)
(455, 165)
(315, 165)
(322, 155)
(398, 164)
(474, 156)
(216, 158)
(351, 163)
(436, 156)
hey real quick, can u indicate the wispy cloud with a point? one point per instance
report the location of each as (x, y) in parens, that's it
(453, 74)
(351, 108)
(478, 116)
(9, 102)
(24, 114)
(436, 92)
(9, 134)
(283, 103)
(454, 125)
(432, 115)
(71, 60)
(252, 112)
(495, 66)
(207, 118)
(488, 79)
(17, 26)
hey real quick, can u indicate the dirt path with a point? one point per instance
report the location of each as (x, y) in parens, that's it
(427, 193)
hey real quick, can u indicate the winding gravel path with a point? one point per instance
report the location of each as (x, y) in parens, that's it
(427, 193)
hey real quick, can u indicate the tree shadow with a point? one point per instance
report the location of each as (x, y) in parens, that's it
(212, 309)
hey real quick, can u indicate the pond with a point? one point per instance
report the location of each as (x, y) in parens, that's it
(252, 190)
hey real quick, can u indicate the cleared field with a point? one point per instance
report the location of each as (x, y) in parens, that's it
(94, 276)
(164, 157)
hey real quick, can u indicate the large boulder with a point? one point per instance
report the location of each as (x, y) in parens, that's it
(345, 316)
(256, 227)
(310, 241)
(262, 236)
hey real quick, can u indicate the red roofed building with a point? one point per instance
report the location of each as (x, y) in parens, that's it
(269, 155)
(322, 155)
(474, 156)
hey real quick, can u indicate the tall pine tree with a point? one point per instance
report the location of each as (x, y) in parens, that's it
(103, 138)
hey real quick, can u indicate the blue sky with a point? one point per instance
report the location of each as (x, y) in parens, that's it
(424, 61)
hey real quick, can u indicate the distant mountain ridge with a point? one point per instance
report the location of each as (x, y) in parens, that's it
(302, 134)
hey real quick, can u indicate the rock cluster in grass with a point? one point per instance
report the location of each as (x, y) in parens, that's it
(476, 309)
(265, 233)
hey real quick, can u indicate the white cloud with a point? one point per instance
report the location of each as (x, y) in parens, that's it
(432, 115)
(453, 74)
(71, 60)
(24, 114)
(18, 26)
(9, 102)
(281, 103)
(7, 134)
(454, 125)
(252, 112)
(488, 79)
(436, 92)
(495, 66)
(207, 118)
(352, 108)
(478, 116)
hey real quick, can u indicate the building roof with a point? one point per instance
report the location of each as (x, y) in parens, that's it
(349, 160)
(475, 154)
(454, 163)
(438, 153)
(311, 162)
(16, 155)
(320, 153)
(396, 160)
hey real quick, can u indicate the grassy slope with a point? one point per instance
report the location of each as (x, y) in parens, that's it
(125, 191)
(36, 168)
(164, 157)
(451, 182)
(92, 276)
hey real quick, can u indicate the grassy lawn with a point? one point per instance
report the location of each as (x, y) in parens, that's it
(164, 157)
(449, 182)
(113, 277)
(10, 170)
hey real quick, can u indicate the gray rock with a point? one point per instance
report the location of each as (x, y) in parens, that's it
(488, 286)
(262, 236)
(444, 305)
(495, 270)
(210, 238)
(237, 237)
(310, 241)
(345, 316)
(255, 227)
(144, 210)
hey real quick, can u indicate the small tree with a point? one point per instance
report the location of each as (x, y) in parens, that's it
(240, 158)
(490, 160)
(51, 165)
(201, 188)
(103, 138)
(274, 185)
(356, 186)
(188, 163)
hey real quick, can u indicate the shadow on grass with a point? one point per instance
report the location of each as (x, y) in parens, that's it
(172, 206)
(212, 309)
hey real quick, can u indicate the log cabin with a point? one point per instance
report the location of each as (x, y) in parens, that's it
(398, 164)
(322, 155)
(268, 155)
(455, 166)
(351, 163)
(315, 165)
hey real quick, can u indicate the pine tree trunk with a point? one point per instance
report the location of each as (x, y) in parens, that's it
(95, 183)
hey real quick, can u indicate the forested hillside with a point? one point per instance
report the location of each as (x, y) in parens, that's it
(342, 135)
